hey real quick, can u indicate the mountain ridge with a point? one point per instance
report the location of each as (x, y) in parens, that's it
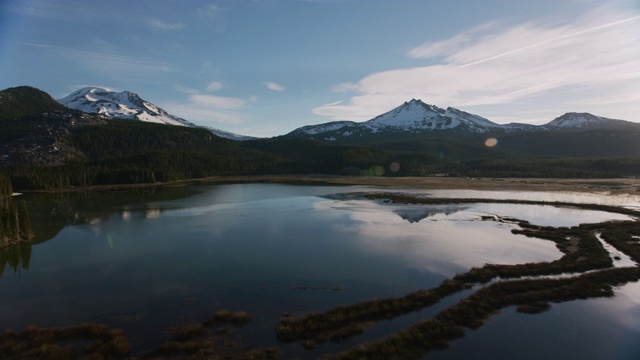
(68, 147)
(417, 117)
(129, 105)
(123, 105)
(23, 101)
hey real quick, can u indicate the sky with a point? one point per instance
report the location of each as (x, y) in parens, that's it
(266, 67)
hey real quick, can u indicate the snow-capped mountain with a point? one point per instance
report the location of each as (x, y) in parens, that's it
(417, 117)
(129, 105)
(323, 128)
(122, 105)
(413, 116)
(579, 120)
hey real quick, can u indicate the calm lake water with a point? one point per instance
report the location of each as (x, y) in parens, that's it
(149, 260)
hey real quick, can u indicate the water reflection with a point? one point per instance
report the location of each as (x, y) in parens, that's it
(626, 200)
(454, 242)
(16, 257)
(619, 258)
(149, 261)
(546, 215)
(419, 213)
(51, 212)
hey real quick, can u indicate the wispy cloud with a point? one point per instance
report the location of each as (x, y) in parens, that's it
(274, 86)
(211, 16)
(448, 46)
(214, 86)
(208, 109)
(106, 61)
(159, 25)
(81, 86)
(203, 115)
(186, 90)
(220, 102)
(496, 66)
(208, 12)
(76, 11)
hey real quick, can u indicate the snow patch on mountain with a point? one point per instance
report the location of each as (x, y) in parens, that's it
(128, 105)
(577, 120)
(322, 128)
(412, 116)
(123, 105)
(229, 135)
(417, 117)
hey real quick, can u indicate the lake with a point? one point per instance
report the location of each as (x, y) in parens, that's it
(149, 261)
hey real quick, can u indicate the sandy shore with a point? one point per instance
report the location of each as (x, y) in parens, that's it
(612, 186)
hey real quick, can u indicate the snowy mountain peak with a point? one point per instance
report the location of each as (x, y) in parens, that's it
(413, 116)
(577, 120)
(129, 105)
(124, 105)
(416, 115)
(409, 115)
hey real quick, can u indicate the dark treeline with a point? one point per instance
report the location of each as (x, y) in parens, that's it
(427, 157)
(550, 168)
(128, 152)
(15, 226)
(131, 152)
(15, 229)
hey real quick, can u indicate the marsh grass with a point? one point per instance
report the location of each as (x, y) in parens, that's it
(588, 255)
(200, 341)
(531, 296)
(504, 285)
(530, 288)
(84, 340)
(237, 318)
(98, 341)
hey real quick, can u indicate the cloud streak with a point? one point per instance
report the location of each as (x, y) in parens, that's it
(552, 40)
(214, 86)
(274, 86)
(219, 102)
(493, 67)
(208, 109)
(105, 61)
(159, 25)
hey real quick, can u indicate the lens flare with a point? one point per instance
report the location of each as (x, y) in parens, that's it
(376, 170)
(394, 167)
(491, 142)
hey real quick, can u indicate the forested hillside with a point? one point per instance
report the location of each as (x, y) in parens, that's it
(125, 152)
(44, 145)
(25, 100)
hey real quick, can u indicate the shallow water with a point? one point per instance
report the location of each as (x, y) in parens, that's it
(145, 262)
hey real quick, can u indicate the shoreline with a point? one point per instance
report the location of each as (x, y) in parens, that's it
(617, 186)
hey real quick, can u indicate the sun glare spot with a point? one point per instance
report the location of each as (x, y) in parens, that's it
(376, 170)
(491, 142)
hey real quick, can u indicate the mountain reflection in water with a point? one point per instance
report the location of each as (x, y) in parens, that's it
(148, 261)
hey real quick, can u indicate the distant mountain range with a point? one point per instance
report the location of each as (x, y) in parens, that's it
(416, 117)
(45, 144)
(411, 118)
(129, 105)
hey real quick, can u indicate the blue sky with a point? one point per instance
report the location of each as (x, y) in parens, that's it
(267, 67)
